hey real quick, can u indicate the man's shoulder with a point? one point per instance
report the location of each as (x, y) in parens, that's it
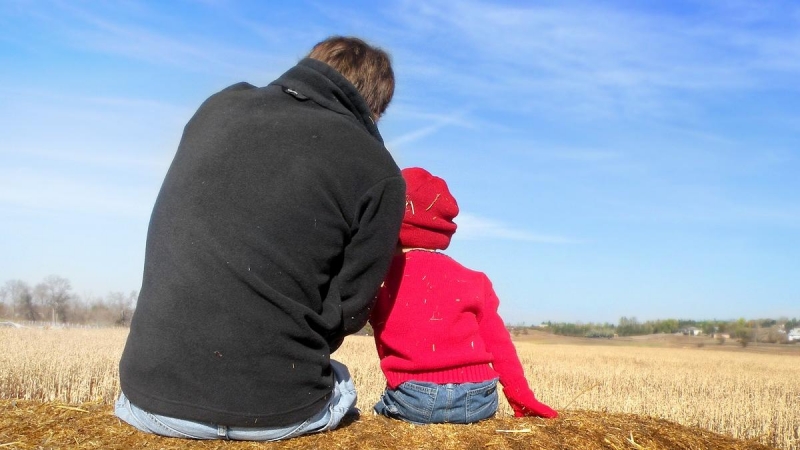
(234, 89)
(230, 96)
(240, 86)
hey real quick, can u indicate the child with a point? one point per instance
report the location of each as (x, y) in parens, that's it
(441, 342)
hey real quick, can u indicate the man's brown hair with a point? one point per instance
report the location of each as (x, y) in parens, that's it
(368, 68)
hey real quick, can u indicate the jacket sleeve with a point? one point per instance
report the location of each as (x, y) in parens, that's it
(368, 254)
(505, 360)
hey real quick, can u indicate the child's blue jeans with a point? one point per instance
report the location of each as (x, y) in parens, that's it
(423, 403)
(341, 404)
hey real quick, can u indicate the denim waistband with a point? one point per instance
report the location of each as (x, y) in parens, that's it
(466, 374)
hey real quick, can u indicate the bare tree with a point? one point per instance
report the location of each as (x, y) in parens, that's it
(19, 294)
(54, 292)
(6, 306)
(5, 303)
(133, 298)
(122, 305)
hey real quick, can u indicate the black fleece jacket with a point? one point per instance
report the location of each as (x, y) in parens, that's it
(273, 229)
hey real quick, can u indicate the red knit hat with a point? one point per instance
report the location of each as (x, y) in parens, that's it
(430, 210)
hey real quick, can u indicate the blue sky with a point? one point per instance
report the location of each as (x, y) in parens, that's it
(610, 158)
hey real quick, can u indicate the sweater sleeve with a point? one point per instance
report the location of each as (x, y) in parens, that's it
(369, 252)
(505, 360)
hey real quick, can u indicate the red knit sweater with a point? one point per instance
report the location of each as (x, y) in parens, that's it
(437, 321)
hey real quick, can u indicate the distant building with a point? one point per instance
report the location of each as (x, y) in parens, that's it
(692, 331)
(793, 335)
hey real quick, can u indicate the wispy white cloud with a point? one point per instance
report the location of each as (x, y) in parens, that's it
(594, 60)
(668, 129)
(94, 159)
(585, 155)
(90, 132)
(414, 135)
(28, 101)
(437, 122)
(141, 33)
(473, 227)
(26, 190)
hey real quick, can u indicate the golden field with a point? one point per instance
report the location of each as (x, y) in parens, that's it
(744, 393)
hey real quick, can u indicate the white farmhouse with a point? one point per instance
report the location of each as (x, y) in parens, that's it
(794, 335)
(692, 331)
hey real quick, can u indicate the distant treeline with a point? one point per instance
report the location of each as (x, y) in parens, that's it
(52, 300)
(629, 326)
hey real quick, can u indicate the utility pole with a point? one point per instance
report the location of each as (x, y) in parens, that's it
(758, 327)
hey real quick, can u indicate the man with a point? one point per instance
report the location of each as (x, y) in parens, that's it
(271, 233)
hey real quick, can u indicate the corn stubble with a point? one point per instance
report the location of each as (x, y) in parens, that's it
(751, 397)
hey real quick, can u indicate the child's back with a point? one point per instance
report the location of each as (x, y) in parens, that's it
(429, 323)
(442, 344)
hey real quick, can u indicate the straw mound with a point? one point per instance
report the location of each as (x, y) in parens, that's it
(35, 425)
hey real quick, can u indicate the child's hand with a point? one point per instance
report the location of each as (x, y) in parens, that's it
(539, 410)
(532, 408)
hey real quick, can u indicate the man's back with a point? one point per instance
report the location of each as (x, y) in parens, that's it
(247, 284)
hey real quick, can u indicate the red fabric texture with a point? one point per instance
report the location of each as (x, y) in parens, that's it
(430, 210)
(437, 321)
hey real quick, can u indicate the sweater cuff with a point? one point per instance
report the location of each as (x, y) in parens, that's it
(467, 374)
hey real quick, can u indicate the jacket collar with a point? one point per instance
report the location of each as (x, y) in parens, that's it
(315, 80)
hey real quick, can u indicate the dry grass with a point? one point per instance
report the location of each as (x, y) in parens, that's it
(28, 425)
(745, 395)
(66, 365)
(609, 396)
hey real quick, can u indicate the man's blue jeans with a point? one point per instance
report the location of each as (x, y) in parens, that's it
(341, 404)
(423, 403)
